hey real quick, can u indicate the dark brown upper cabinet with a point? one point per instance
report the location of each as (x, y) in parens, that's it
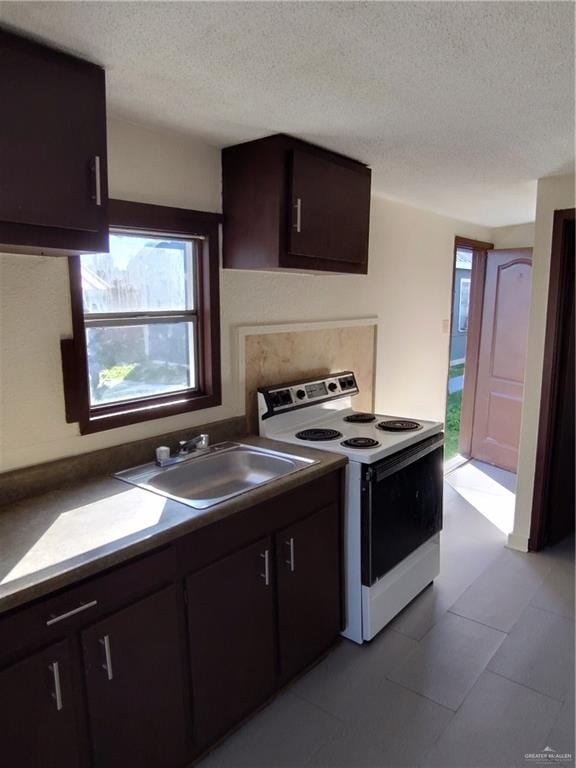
(53, 182)
(292, 205)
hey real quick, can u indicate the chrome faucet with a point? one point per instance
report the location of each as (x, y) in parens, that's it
(197, 444)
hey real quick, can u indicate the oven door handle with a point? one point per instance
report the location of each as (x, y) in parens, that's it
(378, 472)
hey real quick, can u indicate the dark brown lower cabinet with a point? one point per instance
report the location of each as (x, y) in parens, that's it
(232, 645)
(147, 665)
(309, 591)
(136, 685)
(38, 712)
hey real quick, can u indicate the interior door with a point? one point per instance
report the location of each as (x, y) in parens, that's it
(232, 643)
(330, 208)
(135, 680)
(309, 607)
(502, 357)
(38, 712)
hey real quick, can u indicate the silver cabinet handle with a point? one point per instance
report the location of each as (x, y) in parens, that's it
(290, 561)
(73, 612)
(57, 694)
(105, 641)
(298, 225)
(97, 180)
(266, 574)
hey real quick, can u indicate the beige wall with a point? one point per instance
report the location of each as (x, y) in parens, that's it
(516, 236)
(554, 192)
(407, 288)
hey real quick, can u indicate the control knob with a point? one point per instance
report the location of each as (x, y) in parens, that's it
(332, 386)
(300, 394)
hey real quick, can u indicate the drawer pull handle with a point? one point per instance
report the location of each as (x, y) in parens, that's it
(105, 641)
(298, 225)
(57, 694)
(290, 561)
(266, 574)
(73, 612)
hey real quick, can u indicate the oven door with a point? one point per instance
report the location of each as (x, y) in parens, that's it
(401, 505)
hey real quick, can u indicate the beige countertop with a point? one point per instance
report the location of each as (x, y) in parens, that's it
(53, 540)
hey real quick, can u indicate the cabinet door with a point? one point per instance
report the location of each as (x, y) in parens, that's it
(330, 209)
(38, 710)
(135, 679)
(52, 137)
(231, 630)
(309, 588)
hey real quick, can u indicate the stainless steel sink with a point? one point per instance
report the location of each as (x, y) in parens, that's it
(223, 471)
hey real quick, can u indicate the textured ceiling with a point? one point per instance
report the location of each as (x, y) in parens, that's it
(458, 106)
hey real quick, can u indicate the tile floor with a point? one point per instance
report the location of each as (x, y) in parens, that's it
(478, 671)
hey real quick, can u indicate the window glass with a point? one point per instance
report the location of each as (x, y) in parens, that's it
(464, 304)
(131, 356)
(140, 274)
(134, 361)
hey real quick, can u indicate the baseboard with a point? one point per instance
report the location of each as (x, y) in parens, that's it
(519, 543)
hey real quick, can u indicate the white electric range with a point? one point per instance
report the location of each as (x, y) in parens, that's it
(394, 481)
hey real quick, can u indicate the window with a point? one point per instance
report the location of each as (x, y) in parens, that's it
(464, 304)
(146, 325)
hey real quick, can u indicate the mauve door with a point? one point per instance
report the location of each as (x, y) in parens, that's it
(502, 357)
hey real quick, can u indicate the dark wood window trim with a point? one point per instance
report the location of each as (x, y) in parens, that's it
(143, 217)
(477, 276)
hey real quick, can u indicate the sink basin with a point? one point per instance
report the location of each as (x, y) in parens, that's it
(224, 471)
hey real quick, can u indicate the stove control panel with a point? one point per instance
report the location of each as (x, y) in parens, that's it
(288, 396)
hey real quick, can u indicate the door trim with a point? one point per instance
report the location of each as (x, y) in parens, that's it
(477, 279)
(550, 376)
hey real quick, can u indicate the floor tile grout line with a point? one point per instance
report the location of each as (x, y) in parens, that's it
(523, 685)
(318, 707)
(476, 621)
(423, 695)
(553, 613)
(484, 492)
(569, 619)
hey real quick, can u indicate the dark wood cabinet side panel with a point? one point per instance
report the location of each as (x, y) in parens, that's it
(135, 666)
(39, 712)
(231, 636)
(253, 200)
(206, 545)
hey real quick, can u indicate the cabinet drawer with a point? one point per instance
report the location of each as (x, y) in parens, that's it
(54, 617)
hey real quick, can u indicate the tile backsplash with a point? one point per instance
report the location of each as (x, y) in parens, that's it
(282, 356)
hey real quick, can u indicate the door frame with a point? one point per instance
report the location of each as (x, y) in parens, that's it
(477, 280)
(550, 376)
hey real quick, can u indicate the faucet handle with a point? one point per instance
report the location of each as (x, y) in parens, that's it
(162, 454)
